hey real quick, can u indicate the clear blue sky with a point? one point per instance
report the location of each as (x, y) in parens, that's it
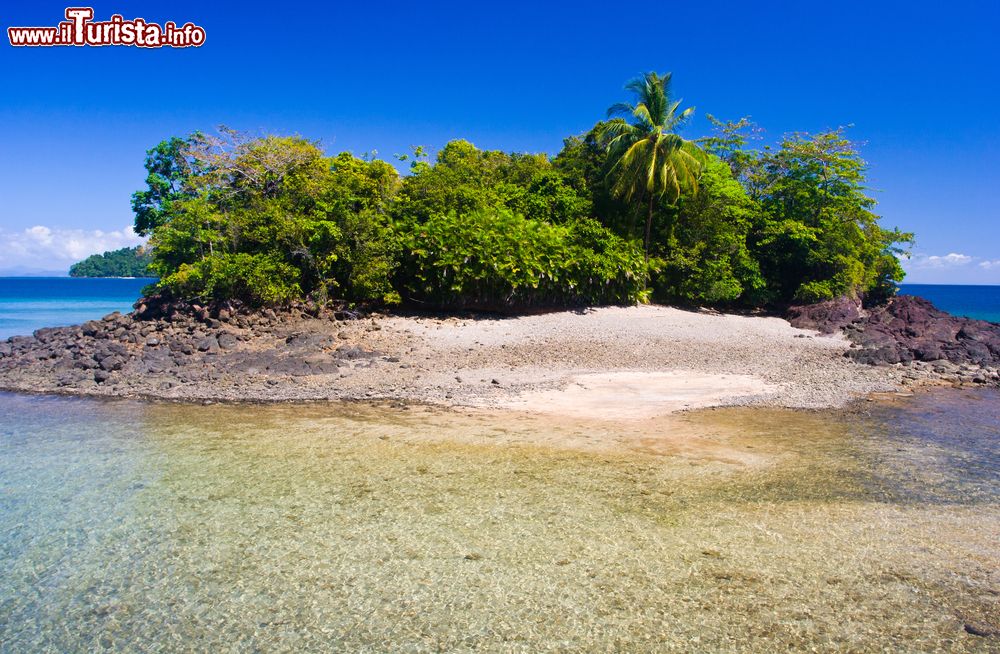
(920, 82)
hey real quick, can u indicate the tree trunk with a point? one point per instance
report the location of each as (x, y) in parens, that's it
(649, 227)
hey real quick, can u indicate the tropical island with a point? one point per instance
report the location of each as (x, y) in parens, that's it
(125, 262)
(268, 251)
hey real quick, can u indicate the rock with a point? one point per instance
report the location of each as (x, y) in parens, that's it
(351, 352)
(904, 329)
(208, 344)
(113, 362)
(227, 341)
(101, 376)
(92, 328)
(825, 317)
(978, 629)
(152, 341)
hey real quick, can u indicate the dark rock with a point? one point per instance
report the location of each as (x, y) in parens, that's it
(92, 328)
(183, 347)
(825, 317)
(113, 362)
(101, 376)
(978, 629)
(928, 351)
(227, 341)
(904, 329)
(351, 352)
(208, 344)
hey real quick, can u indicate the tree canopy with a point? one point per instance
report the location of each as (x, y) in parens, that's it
(629, 211)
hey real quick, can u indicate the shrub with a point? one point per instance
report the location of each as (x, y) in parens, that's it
(257, 279)
(496, 260)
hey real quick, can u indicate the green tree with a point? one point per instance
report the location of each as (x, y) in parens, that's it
(169, 168)
(270, 219)
(465, 179)
(815, 233)
(707, 259)
(649, 160)
(497, 260)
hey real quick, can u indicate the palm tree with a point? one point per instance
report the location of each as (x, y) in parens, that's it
(650, 160)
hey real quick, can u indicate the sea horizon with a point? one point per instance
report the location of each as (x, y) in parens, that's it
(28, 303)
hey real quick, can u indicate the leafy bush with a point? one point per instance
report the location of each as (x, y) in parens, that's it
(498, 260)
(465, 179)
(278, 218)
(259, 279)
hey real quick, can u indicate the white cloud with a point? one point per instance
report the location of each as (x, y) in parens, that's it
(990, 264)
(50, 248)
(951, 260)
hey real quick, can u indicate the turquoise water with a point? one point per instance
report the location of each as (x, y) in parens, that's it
(139, 527)
(27, 303)
(981, 302)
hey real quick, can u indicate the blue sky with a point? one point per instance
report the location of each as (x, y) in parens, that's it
(920, 83)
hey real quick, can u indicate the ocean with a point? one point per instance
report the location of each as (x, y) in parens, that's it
(980, 302)
(27, 303)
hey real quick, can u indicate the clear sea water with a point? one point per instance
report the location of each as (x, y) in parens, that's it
(132, 526)
(141, 527)
(27, 303)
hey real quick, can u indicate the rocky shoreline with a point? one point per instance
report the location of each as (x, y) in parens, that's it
(911, 332)
(224, 352)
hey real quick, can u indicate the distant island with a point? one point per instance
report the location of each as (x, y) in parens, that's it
(126, 262)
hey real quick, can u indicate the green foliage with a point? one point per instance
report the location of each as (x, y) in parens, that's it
(648, 160)
(465, 179)
(255, 278)
(169, 170)
(816, 235)
(702, 250)
(278, 205)
(126, 262)
(273, 219)
(498, 260)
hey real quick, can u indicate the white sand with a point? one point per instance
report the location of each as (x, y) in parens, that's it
(631, 396)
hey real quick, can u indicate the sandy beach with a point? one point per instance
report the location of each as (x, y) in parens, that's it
(614, 363)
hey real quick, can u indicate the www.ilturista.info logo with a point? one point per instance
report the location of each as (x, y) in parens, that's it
(80, 29)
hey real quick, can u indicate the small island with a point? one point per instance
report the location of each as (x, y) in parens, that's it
(126, 262)
(636, 272)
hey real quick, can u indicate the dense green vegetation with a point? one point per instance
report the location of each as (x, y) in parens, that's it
(126, 262)
(629, 211)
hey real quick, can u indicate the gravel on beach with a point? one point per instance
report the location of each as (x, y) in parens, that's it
(683, 359)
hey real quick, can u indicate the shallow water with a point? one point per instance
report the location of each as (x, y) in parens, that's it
(127, 526)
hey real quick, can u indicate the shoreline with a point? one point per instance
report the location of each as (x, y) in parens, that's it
(624, 364)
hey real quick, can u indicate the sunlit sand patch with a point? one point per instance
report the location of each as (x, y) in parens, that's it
(635, 396)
